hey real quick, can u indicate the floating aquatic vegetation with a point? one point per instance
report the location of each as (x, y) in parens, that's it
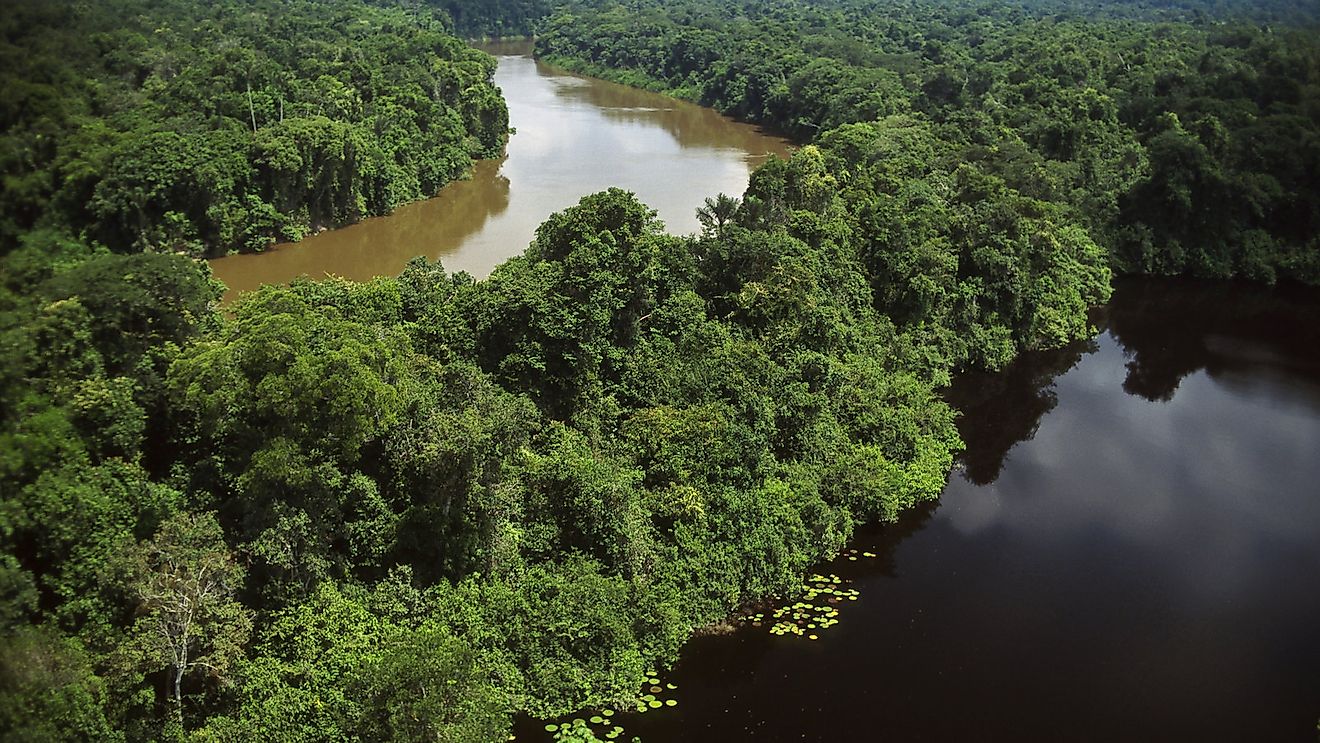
(601, 725)
(578, 729)
(650, 700)
(816, 611)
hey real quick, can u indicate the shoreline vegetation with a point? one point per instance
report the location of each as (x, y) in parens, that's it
(178, 127)
(410, 508)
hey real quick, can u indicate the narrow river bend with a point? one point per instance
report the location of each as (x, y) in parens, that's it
(574, 136)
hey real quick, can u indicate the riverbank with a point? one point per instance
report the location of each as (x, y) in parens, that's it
(575, 136)
(1130, 528)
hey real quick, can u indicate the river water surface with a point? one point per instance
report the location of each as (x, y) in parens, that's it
(575, 136)
(1129, 551)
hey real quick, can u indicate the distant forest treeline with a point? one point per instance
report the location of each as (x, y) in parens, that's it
(495, 18)
(492, 18)
(1180, 147)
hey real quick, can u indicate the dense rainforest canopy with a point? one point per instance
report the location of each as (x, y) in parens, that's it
(496, 18)
(183, 126)
(410, 508)
(1181, 147)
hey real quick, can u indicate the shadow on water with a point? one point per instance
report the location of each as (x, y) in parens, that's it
(1240, 334)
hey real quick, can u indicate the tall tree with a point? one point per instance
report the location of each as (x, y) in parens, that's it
(186, 579)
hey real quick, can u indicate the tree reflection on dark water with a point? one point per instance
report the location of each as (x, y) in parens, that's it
(1000, 409)
(1171, 328)
(1238, 333)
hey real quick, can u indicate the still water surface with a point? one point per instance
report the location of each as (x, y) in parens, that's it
(575, 136)
(1129, 551)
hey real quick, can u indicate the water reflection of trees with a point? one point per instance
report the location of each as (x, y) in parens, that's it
(1003, 408)
(379, 246)
(1168, 329)
(691, 125)
(1172, 328)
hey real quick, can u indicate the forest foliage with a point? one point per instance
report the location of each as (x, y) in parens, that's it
(1182, 142)
(206, 128)
(494, 19)
(410, 508)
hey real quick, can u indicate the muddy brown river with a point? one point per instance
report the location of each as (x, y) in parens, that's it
(574, 136)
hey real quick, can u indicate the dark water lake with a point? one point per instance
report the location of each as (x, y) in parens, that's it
(575, 136)
(1128, 551)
